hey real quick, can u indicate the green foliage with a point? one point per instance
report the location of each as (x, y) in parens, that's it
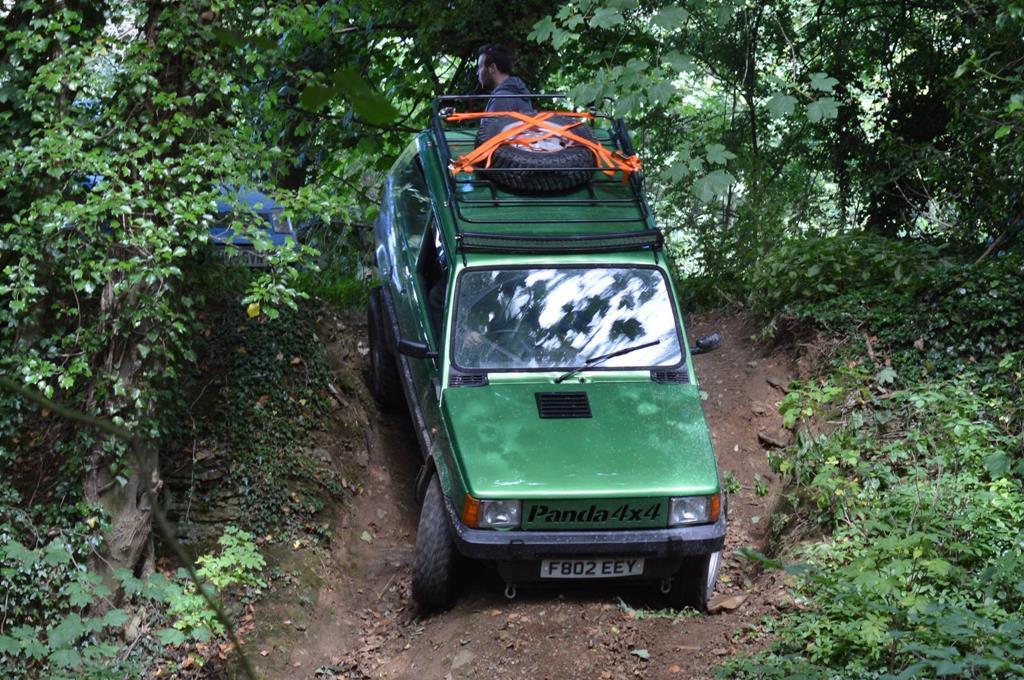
(371, 106)
(341, 289)
(809, 399)
(238, 563)
(674, 615)
(827, 129)
(920, 485)
(52, 598)
(120, 121)
(801, 272)
(761, 487)
(932, 313)
(730, 483)
(921, 491)
(342, 274)
(33, 567)
(48, 594)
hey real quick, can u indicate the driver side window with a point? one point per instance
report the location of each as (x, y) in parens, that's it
(413, 206)
(432, 272)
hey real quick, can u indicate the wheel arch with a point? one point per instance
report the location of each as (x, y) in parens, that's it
(432, 467)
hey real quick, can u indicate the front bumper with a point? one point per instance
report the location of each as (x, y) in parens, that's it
(671, 544)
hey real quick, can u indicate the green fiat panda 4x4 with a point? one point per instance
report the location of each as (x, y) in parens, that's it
(527, 317)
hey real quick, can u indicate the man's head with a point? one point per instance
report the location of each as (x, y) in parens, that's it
(493, 65)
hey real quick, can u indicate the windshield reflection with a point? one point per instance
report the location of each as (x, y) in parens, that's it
(556, 318)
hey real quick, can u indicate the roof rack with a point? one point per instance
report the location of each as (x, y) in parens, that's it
(647, 239)
(612, 203)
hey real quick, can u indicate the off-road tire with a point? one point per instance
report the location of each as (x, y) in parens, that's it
(690, 587)
(544, 173)
(435, 557)
(385, 382)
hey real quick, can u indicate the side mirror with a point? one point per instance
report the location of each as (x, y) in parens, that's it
(416, 350)
(707, 343)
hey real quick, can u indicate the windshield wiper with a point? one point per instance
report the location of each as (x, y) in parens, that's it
(602, 357)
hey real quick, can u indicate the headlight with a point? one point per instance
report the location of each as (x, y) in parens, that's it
(490, 514)
(693, 510)
(499, 514)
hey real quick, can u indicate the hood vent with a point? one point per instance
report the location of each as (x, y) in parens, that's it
(669, 376)
(467, 379)
(563, 405)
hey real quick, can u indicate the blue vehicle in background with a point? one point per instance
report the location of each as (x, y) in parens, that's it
(256, 211)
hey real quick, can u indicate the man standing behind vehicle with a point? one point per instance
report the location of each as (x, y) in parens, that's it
(494, 71)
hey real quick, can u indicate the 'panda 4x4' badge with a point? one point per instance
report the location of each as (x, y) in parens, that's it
(616, 513)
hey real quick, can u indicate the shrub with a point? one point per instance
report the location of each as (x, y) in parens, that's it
(921, 491)
(47, 594)
(801, 272)
(929, 313)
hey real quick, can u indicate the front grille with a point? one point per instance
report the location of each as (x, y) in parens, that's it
(563, 405)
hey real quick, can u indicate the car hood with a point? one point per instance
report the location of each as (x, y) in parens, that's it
(643, 439)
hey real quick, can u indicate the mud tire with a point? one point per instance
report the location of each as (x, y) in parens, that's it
(385, 382)
(692, 586)
(545, 170)
(435, 558)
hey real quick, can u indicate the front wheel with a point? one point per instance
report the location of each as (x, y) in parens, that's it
(435, 556)
(695, 581)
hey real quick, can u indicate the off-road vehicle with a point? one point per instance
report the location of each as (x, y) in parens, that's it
(531, 325)
(240, 207)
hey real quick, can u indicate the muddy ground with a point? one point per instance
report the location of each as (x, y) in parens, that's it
(345, 611)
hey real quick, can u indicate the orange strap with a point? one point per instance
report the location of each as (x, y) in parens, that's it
(610, 161)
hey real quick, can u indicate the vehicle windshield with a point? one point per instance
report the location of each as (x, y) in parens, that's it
(507, 319)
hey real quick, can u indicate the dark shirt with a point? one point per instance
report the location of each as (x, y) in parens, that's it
(511, 85)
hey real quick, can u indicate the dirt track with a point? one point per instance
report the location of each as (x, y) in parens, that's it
(347, 612)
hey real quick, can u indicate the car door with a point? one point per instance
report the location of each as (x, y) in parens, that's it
(409, 207)
(432, 280)
(416, 272)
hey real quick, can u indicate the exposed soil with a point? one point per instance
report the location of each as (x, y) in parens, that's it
(346, 611)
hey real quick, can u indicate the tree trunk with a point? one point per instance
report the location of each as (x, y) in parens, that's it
(121, 475)
(846, 140)
(753, 27)
(128, 544)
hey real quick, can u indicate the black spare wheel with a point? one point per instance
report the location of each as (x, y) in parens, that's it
(545, 161)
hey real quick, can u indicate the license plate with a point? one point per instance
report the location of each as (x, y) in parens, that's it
(245, 257)
(252, 258)
(599, 568)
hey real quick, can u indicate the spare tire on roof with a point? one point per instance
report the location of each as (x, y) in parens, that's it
(544, 162)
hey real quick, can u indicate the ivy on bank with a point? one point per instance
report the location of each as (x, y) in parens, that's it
(920, 486)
